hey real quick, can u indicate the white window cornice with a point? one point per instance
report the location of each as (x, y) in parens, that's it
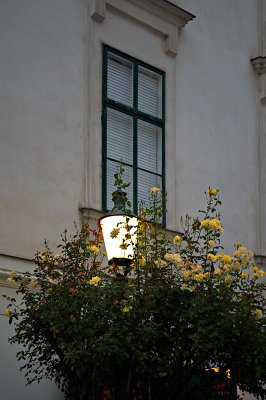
(161, 16)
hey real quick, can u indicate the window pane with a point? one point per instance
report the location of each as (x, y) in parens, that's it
(149, 147)
(119, 136)
(145, 182)
(150, 92)
(112, 168)
(120, 79)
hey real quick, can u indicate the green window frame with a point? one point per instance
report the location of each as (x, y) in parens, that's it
(132, 112)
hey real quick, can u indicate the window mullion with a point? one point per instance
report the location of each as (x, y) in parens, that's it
(135, 140)
(104, 131)
(163, 148)
(163, 173)
(163, 98)
(135, 165)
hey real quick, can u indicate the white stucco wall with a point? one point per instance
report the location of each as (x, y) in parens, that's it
(50, 129)
(42, 113)
(216, 113)
(51, 104)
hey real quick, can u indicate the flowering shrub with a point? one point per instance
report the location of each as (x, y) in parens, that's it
(186, 321)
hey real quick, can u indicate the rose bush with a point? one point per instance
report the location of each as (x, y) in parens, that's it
(186, 321)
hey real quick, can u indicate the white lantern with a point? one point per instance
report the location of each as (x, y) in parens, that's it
(120, 237)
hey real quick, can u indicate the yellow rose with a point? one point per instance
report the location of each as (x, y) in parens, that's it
(94, 249)
(228, 279)
(184, 286)
(256, 276)
(196, 268)
(178, 260)
(226, 267)
(236, 254)
(213, 224)
(205, 223)
(186, 275)
(238, 244)
(199, 277)
(211, 257)
(11, 281)
(237, 265)
(227, 259)
(177, 240)
(160, 262)
(244, 276)
(212, 192)
(142, 260)
(257, 314)
(207, 275)
(169, 257)
(126, 309)
(192, 288)
(255, 269)
(217, 272)
(94, 281)
(246, 261)
(211, 243)
(242, 250)
(8, 313)
(154, 191)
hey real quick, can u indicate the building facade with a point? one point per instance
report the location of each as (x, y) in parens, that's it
(185, 80)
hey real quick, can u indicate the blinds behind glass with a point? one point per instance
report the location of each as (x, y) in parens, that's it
(119, 136)
(149, 92)
(149, 147)
(120, 80)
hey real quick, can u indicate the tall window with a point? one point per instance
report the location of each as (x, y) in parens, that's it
(133, 125)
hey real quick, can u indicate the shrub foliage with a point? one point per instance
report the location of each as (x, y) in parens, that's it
(185, 321)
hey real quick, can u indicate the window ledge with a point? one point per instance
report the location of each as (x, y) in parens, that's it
(161, 16)
(93, 215)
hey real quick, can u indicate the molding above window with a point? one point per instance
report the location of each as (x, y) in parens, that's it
(259, 64)
(161, 16)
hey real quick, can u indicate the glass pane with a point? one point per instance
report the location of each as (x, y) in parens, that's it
(119, 136)
(145, 182)
(120, 79)
(149, 147)
(150, 92)
(112, 168)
